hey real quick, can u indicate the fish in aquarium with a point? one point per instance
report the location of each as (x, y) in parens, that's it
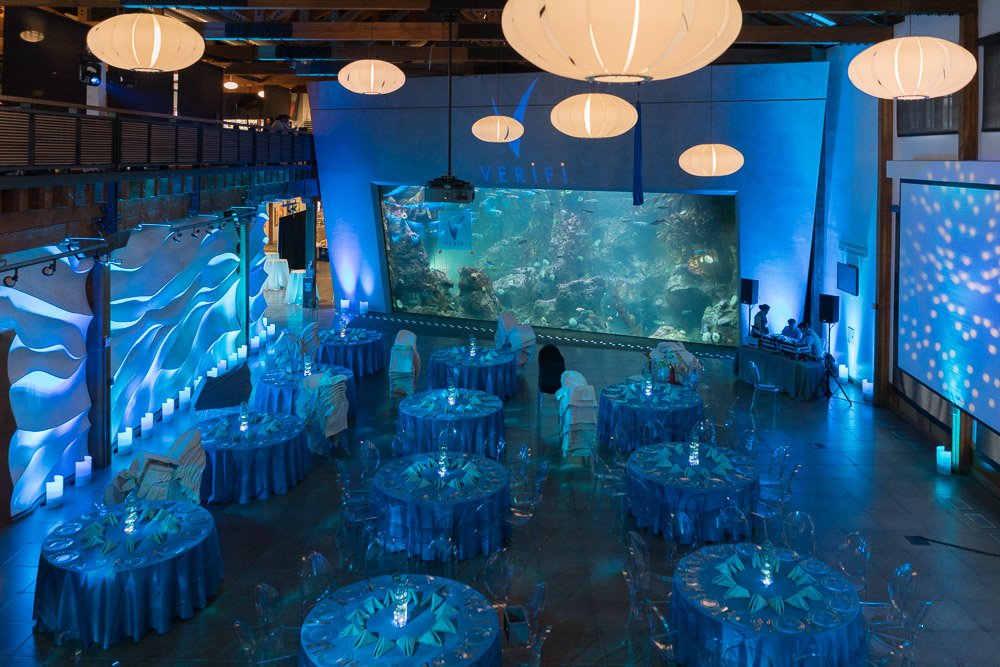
(577, 259)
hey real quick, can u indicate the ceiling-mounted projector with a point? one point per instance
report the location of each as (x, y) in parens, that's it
(449, 190)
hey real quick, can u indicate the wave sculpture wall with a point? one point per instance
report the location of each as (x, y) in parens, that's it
(46, 364)
(257, 276)
(173, 313)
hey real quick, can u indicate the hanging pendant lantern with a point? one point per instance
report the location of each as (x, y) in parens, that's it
(145, 43)
(621, 41)
(371, 77)
(593, 116)
(711, 160)
(912, 68)
(497, 129)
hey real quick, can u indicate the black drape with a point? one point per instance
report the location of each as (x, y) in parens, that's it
(292, 239)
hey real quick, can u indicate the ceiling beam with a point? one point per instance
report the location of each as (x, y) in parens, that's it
(749, 6)
(794, 34)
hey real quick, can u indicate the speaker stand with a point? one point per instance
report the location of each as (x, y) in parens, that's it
(830, 374)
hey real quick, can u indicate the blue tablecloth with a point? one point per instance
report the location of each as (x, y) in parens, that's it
(676, 408)
(276, 390)
(701, 613)
(417, 505)
(363, 350)
(490, 371)
(660, 480)
(92, 588)
(447, 619)
(476, 414)
(271, 456)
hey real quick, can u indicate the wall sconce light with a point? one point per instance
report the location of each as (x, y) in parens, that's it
(11, 280)
(49, 269)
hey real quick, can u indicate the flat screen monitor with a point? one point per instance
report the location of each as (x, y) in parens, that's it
(847, 278)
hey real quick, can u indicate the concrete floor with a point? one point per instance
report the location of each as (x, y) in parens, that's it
(863, 470)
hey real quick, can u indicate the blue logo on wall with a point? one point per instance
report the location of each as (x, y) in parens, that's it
(518, 115)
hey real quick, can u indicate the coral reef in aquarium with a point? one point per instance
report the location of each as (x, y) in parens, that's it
(569, 259)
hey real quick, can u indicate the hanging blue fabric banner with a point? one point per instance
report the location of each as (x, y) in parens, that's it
(637, 198)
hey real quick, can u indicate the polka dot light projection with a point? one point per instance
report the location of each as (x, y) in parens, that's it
(949, 294)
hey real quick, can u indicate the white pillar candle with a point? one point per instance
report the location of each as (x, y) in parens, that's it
(241, 353)
(363, 308)
(233, 359)
(842, 374)
(271, 330)
(222, 367)
(213, 372)
(146, 425)
(943, 460)
(263, 321)
(83, 471)
(125, 441)
(255, 344)
(184, 398)
(345, 304)
(167, 411)
(867, 391)
(197, 383)
(54, 492)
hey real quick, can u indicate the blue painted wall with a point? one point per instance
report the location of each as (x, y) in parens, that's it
(774, 114)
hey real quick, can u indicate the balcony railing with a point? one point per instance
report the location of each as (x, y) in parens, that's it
(34, 137)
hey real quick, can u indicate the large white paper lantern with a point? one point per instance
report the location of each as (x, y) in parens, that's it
(621, 41)
(371, 77)
(912, 68)
(497, 129)
(593, 116)
(711, 160)
(145, 43)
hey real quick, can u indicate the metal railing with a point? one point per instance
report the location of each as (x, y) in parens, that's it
(43, 136)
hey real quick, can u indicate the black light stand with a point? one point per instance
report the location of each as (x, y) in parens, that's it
(829, 373)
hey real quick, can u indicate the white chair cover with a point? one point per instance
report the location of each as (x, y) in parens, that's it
(568, 380)
(579, 422)
(173, 475)
(505, 324)
(310, 340)
(404, 364)
(322, 402)
(522, 341)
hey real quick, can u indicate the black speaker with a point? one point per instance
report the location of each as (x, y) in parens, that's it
(748, 291)
(829, 308)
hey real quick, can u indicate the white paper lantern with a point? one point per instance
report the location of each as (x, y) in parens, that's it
(912, 68)
(593, 116)
(711, 160)
(371, 77)
(621, 41)
(497, 129)
(145, 43)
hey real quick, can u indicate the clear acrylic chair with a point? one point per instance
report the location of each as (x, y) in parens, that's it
(654, 433)
(536, 605)
(315, 580)
(263, 643)
(853, 556)
(812, 659)
(682, 538)
(799, 532)
(731, 525)
(645, 586)
(498, 578)
(741, 655)
(892, 626)
(661, 636)
(704, 433)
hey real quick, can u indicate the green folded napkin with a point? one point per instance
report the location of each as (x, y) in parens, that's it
(436, 601)
(169, 523)
(705, 472)
(383, 646)
(810, 593)
(93, 530)
(108, 547)
(777, 604)
(131, 543)
(724, 580)
(93, 541)
(364, 639)
(735, 563)
(443, 625)
(408, 645)
(149, 513)
(689, 472)
(158, 538)
(355, 626)
(757, 603)
(110, 519)
(720, 470)
(736, 592)
(797, 601)
(723, 568)
(430, 638)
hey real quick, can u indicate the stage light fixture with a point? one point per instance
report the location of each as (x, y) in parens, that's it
(260, 93)
(32, 36)
(49, 269)
(90, 70)
(11, 280)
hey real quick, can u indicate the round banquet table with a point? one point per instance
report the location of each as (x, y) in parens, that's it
(807, 608)
(490, 371)
(416, 505)
(476, 414)
(97, 585)
(276, 390)
(660, 480)
(675, 408)
(270, 457)
(361, 350)
(446, 620)
(277, 273)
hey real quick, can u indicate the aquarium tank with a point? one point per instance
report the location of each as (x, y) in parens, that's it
(569, 259)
